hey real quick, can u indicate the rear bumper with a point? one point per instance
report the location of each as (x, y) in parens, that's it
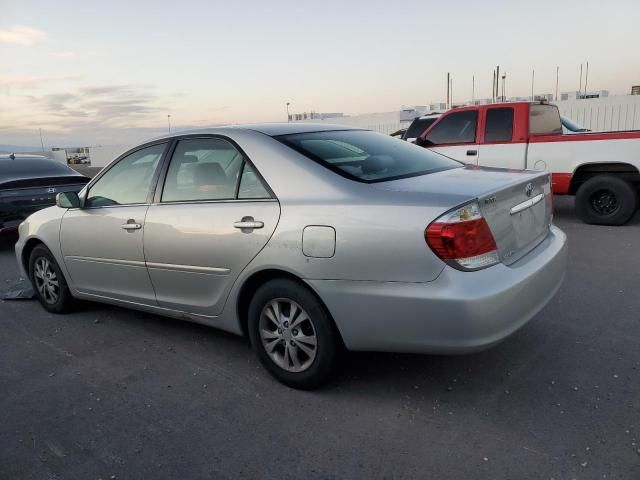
(458, 312)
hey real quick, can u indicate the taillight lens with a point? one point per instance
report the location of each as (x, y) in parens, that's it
(462, 238)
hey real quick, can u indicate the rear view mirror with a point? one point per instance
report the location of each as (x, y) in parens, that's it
(68, 200)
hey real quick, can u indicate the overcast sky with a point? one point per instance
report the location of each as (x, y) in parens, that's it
(110, 72)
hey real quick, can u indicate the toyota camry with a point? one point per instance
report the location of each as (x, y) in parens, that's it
(309, 239)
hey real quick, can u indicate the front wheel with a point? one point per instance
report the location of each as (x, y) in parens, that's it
(48, 282)
(292, 334)
(606, 200)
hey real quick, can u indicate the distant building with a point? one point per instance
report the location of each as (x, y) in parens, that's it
(582, 95)
(635, 90)
(297, 117)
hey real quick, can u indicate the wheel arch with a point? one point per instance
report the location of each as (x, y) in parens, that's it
(26, 251)
(255, 280)
(587, 171)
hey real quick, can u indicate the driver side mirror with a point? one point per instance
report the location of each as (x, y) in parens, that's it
(68, 200)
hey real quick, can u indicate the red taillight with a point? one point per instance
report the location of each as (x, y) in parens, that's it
(463, 238)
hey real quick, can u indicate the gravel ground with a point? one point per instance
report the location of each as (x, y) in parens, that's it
(110, 393)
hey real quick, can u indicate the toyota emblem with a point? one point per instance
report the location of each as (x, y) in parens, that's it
(51, 190)
(528, 189)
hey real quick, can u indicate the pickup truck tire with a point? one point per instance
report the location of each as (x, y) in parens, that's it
(606, 200)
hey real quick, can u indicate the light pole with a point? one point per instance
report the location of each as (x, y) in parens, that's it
(288, 115)
(504, 81)
(169, 122)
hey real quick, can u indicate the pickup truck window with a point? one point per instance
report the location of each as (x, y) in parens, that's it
(544, 120)
(457, 127)
(499, 127)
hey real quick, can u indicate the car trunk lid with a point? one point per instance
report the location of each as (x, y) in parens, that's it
(516, 204)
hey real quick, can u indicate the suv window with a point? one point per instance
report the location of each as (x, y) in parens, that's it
(366, 156)
(457, 127)
(202, 169)
(544, 120)
(499, 126)
(129, 181)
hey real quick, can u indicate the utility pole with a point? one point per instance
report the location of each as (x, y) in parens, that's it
(473, 88)
(497, 81)
(557, 78)
(533, 77)
(448, 90)
(169, 122)
(586, 79)
(451, 90)
(288, 114)
(41, 142)
(493, 88)
(580, 89)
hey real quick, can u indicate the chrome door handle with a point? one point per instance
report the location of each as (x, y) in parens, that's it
(249, 223)
(131, 226)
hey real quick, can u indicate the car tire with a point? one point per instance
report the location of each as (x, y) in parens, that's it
(606, 200)
(48, 282)
(293, 335)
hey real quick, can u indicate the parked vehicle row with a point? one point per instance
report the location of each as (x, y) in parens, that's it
(309, 239)
(600, 169)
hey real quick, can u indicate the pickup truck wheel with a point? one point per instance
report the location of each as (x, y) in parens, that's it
(606, 200)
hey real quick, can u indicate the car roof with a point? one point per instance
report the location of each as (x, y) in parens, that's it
(32, 166)
(271, 129)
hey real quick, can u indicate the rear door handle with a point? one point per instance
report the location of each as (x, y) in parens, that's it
(131, 225)
(248, 223)
(472, 153)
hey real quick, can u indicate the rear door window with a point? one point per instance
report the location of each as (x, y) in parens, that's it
(544, 120)
(499, 127)
(457, 127)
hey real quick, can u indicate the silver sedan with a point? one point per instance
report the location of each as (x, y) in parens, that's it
(309, 239)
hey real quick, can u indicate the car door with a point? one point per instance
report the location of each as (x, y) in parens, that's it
(102, 242)
(211, 218)
(498, 145)
(455, 136)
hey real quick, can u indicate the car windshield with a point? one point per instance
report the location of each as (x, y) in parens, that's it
(573, 126)
(418, 127)
(367, 156)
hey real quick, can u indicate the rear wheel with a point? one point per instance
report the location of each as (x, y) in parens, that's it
(606, 200)
(48, 282)
(292, 334)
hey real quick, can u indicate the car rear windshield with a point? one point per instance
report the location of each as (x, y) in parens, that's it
(367, 156)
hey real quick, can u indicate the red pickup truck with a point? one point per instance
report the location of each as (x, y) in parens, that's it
(601, 169)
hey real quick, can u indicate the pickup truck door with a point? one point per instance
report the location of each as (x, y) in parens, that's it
(499, 146)
(455, 136)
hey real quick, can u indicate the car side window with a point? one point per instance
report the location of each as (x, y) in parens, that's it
(499, 127)
(250, 184)
(129, 181)
(202, 169)
(457, 127)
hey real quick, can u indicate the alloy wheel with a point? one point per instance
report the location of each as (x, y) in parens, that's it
(288, 335)
(46, 280)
